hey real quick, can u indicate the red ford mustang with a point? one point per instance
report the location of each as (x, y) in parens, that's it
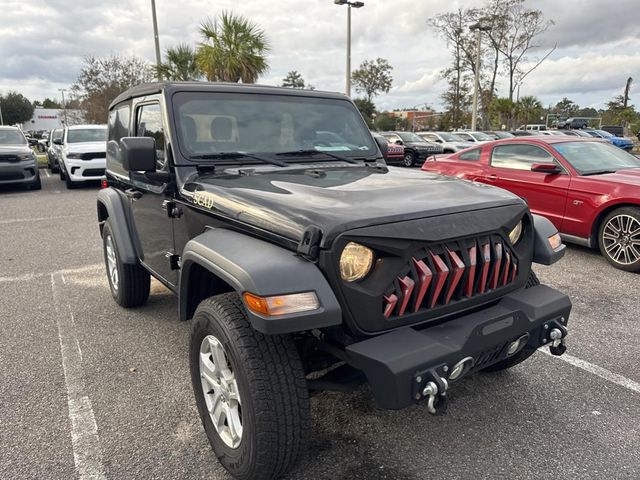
(589, 189)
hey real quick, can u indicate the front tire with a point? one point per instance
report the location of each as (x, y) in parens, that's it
(129, 284)
(409, 159)
(69, 183)
(259, 392)
(619, 238)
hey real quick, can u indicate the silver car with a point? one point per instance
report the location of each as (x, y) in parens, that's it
(18, 163)
(451, 143)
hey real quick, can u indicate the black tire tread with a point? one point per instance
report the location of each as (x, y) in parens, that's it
(277, 378)
(135, 281)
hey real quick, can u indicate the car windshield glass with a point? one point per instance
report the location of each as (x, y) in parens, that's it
(87, 135)
(211, 122)
(589, 158)
(450, 137)
(11, 137)
(604, 133)
(410, 137)
(481, 136)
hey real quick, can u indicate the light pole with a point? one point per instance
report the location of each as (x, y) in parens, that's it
(478, 28)
(64, 106)
(156, 38)
(349, 5)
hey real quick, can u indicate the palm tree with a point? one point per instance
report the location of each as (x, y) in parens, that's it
(529, 106)
(233, 49)
(180, 64)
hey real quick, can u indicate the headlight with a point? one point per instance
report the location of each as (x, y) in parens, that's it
(516, 233)
(355, 262)
(74, 155)
(27, 156)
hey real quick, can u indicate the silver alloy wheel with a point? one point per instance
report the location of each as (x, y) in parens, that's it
(621, 239)
(409, 159)
(112, 264)
(220, 391)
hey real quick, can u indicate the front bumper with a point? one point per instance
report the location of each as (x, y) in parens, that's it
(399, 365)
(18, 172)
(81, 170)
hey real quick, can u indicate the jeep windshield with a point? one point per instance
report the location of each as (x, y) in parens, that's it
(210, 123)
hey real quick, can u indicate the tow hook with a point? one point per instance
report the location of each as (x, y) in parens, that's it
(558, 345)
(431, 385)
(555, 333)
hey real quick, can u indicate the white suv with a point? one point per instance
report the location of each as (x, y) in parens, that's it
(83, 153)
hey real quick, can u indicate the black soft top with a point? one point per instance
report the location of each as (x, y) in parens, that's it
(171, 87)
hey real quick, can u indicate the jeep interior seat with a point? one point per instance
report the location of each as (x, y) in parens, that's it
(222, 132)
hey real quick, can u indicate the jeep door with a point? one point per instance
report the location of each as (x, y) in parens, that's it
(149, 197)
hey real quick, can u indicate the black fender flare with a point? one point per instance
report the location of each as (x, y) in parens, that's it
(117, 210)
(248, 264)
(542, 251)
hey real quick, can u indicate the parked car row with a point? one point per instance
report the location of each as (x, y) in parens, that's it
(588, 188)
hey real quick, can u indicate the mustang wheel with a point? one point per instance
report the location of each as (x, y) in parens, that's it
(409, 159)
(129, 283)
(619, 238)
(250, 391)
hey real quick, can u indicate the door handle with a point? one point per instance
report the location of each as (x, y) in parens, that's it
(133, 194)
(493, 176)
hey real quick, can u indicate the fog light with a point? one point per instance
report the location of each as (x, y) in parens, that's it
(513, 347)
(460, 367)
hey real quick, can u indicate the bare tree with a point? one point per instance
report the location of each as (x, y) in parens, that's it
(520, 28)
(101, 80)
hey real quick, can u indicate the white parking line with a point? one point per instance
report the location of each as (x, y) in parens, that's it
(46, 172)
(598, 371)
(40, 219)
(32, 276)
(87, 452)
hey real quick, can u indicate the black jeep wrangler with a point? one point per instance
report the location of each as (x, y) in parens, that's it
(305, 263)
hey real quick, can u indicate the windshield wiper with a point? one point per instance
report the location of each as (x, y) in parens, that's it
(598, 172)
(297, 153)
(234, 155)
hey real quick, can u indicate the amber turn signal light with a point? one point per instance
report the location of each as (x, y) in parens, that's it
(555, 241)
(281, 304)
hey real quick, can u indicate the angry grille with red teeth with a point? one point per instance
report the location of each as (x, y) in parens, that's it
(443, 274)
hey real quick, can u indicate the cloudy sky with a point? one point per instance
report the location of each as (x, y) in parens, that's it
(43, 42)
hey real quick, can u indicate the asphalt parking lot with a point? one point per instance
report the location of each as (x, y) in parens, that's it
(89, 390)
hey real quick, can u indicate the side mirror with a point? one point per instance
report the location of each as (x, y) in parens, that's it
(138, 154)
(57, 141)
(398, 142)
(383, 145)
(549, 168)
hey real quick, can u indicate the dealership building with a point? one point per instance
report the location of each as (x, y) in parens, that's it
(50, 118)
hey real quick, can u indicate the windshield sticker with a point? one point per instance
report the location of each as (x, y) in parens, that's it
(339, 148)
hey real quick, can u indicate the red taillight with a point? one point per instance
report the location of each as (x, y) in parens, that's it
(104, 183)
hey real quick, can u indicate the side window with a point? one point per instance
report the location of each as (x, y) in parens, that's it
(471, 155)
(393, 138)
(149, 124)
(118, 128)
(519, 157)
(430, 137)
(56, 135)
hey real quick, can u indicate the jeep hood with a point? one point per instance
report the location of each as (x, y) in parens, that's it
(288, 201)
